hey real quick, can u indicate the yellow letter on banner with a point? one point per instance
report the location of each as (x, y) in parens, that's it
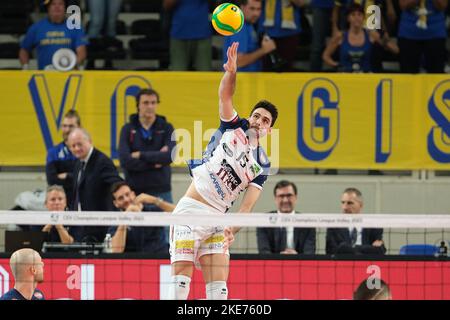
(439, 136)
(383, 121)
(318, 119)
(48, 112)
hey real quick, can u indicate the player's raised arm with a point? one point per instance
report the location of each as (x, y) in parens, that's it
(228, 83)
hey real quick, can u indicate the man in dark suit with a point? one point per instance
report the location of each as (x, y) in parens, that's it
(286, 240)
(93, 176)
(354, 240)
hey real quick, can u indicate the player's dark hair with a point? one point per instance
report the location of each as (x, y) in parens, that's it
(73, 114)
(269, 107)
(284, 184)
(116, 186)
(364, 293)
(146, 92)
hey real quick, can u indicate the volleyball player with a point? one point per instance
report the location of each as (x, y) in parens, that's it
(232, 163)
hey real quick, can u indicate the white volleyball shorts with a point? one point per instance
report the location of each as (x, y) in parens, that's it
(189, 243)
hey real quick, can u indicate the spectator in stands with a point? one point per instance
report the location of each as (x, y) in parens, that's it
(93, 176)
(286, 240)
(55, 200)
(280, 20)
(138, 239)
(354, 240)
(340, 22)
(51, 34)
(103, 16)
(392, 12)
(28, 271)
(250, 50)
(422, 35)
(372, 291)
(60, 161)
(321, 10)
(190, 35)
(355, 45)
(146, 146)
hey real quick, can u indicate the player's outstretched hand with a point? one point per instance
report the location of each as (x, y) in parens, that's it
(231, 64)
(228, 239)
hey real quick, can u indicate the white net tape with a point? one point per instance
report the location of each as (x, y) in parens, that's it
(316, 220)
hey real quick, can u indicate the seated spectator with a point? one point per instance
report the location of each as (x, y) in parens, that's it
(286, 240)
(422, 35)
(356, 45)
(138, 239)
(372, 291)
(55, 200)
(51, 34)
(354, 240)
(251, 50)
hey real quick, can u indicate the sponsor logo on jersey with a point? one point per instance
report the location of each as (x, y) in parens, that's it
(228, 176)
(227, 149)
(256, 169)
(217, 186)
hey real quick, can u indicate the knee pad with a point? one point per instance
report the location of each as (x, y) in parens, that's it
(216, 290)
(179, 287)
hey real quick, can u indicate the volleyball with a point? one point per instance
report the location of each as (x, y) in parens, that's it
(227, 19)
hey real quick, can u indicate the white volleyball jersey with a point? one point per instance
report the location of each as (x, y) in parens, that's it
(229, 165)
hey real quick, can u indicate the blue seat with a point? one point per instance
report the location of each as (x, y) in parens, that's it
(419, 249)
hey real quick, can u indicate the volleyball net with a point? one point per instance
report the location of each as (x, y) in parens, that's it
(314, 256)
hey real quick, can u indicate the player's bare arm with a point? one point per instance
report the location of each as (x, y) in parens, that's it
(248, 202)
(228, 84)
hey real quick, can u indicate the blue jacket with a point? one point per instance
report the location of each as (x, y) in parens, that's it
(59, 160)
(141, 174)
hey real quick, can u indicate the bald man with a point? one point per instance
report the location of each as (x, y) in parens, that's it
(28, 270)
(94, 175)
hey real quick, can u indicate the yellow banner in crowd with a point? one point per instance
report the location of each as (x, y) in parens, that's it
(354, 121)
